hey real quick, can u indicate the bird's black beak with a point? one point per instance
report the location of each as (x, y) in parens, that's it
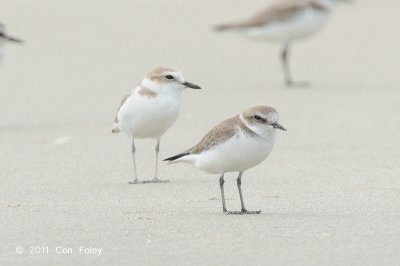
(278, 126)
(13, 39)
(191, 85)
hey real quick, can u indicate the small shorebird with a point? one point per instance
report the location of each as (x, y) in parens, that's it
(285, 21)
(150, 110)
(5, 38)
(235, 145)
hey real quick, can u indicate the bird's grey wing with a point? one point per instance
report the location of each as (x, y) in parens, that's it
(122, 103)
(278, 12)
(219, 134)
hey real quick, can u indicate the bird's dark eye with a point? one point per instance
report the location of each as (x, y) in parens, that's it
(169, 77)
(257, 117)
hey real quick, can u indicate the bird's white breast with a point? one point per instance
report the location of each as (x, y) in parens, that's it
(239, 153)
(147, 116)
(300, 26)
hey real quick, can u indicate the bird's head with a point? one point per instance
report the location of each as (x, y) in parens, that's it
(263, 120)
(167, 80)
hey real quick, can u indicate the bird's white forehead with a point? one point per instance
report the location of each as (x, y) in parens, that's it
(272, 116)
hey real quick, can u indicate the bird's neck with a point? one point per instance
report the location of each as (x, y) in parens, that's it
(160, 88)
(263, 132)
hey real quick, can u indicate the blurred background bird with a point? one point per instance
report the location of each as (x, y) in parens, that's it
(285, 21)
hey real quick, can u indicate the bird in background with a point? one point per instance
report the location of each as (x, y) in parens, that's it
(150, 110)
(235, 145)
(285, 21)
(4, 38)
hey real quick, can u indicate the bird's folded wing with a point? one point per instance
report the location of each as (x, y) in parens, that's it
(278, 12)
(219, 134)
(122, 103)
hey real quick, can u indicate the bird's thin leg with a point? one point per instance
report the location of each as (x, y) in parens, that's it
(157, 152)
(155, 179)
(239, 184)
(243, 210)
(221, 186)
(286, 68)
(136, 180)
(285, 64)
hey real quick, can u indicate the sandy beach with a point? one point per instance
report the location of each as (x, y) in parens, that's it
(329, 192)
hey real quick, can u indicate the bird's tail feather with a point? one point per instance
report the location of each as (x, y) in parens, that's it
(176, 157)
(13, 39)
(221, 27)
(225, 27)
(115, 128)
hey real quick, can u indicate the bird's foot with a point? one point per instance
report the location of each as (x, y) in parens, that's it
(135, 182)
(155, 180)
(249, 212)
(243, 211)
(298, 84)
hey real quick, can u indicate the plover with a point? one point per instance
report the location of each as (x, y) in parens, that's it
(5, 38)
(235, 145)
(150, 110)
(285, 21)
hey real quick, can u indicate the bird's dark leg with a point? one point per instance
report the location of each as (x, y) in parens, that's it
(286, 68)
(221, 186)
(285, 64)
(243, 210)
